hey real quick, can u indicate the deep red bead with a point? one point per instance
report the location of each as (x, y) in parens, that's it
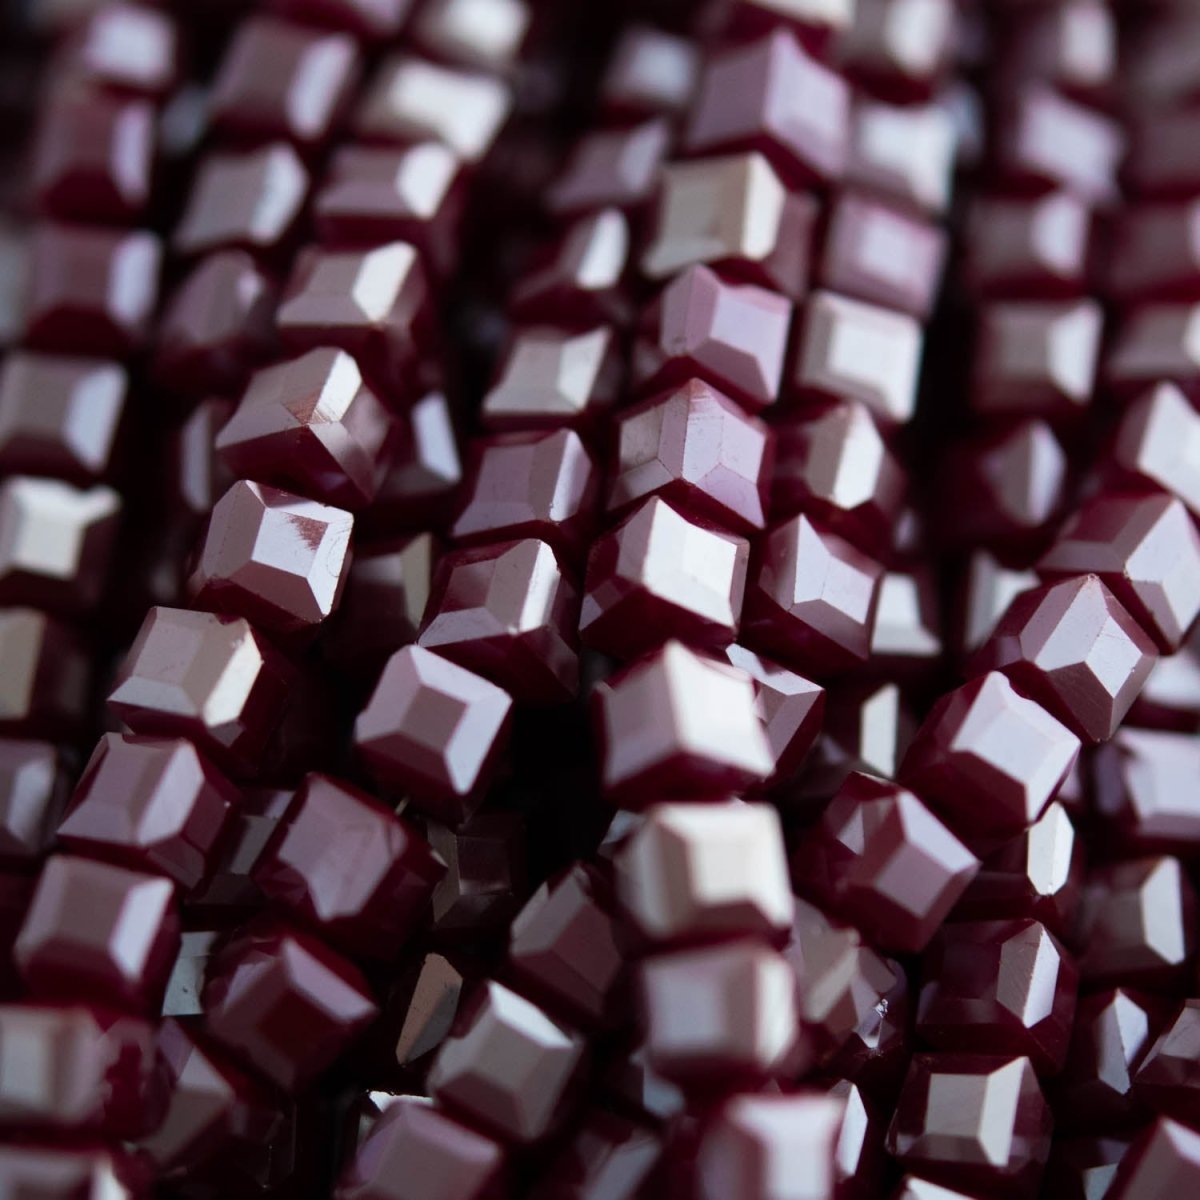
(285, 1002)
(988, 588)
(31, 796)
(485, 878)
(435, 729)
(900, 48)
(125, 47)
(45, 675)
(98, 929)
(1154, 255)
(1163, 1161)
(1152, 345)
(651, 71)
(65, 1172)
(430, 1007)
(1073, 46)
(608, 1158)
(611, 168)
(479, 33)
(906, 152)
(371, 19)
(1159, 440)
(1083, 1167)
(151, 804)
(508, 612)
(1167, 1080)
(345, 864)
(1171, 698)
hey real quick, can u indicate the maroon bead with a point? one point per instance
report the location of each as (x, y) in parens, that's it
(431, 1005)
(93, 159)
(906, 639)
(1141, 782)
(1137, 923)
(1159, 440)
(279, 80)
(973, 1121)
(771, 1148)
(198, 477)
(347, 865)
(62, 1172)
(152, 804)
(723, 1016)
(1171, 697)
(435, 729)
(509, 1067)
(650, 71)
(285, 1002)
(608, 1158)
(733, 336)
(243, 200)
(905, 151)
(209, 678)
(834, 464)
(1074, 647)
(812, 599)
(1154, 254)
(416, 1152)
(552, 377)
(990, 759)
(485, 876)
(564, 949)
(679, 724)
(272, 557)
(885, 863)
(98, 929)
(1113, 1031)
(44, 675)
(900, 48)
(1073, 46)
(31, 795)
(875, 1055)
(698, 872)
(91, 291)
(611, 168)
(539, 485)
(60, 416)
(481, 33)
(1153, 344)
(77, 1068)
(1083, 1167)
(1163, 1161)
(988, 588)
(217, 326)
(1145, 549)
(1167, 1080)
(412, 100)
(771, 96)
(508, 612)
(371, 19)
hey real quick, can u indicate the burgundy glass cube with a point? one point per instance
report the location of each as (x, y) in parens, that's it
(31, 795)
(611, 168)
(45, 675)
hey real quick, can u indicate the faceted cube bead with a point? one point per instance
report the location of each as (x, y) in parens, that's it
(412, 100)
(150, 803)
(1153, 344)
(369, 19)
(1036, 359)
(248, 200)
(60, 416)
(61, 1172)
(1049, 141)
(609, 1156)
(536, 484)
(875, 1054)
(430, 1008)
(435, 729)
(1033, 248)
(768, 1147)
(771, 96)
(509, 1067)
(906, 641)
(208, 678)
(973, 1121)
(77, 1068)
(1155, 253)
(345, 864)
(611, 168)
(565, 951)
(727, 1014)
(906, 152)
(98, 930)
(989, 759)
(479, 33)
(1166, 1078)
(703, 871)
(698, 451)
(93, 158)
(417, 1152)
(1038, 874)
(1141, 788)
(885, 863)
(285, 1003)
(126, 47)
(650, 71)
(217, 325)
(877, 252)
(1073, 46)
(1163, 1161)
(371, 303)
(848, 350)
(1113, 1031)
(1073, 647)
(733, 214)
(386, 194)
(312, 424)
(1171, 697)
(272, 557)
(279, 80)
(45, 675)
(31, 793)
(732, 336)
(998, 987)
(812, 601)
(900, 48)
(551, 377)
(1159, 440)
(659, 575)
(91, 291)
(1137, 923)
(1146, 551)
(680, 724)
(56, 542)
(485, 874)
(1083, 1166)
(988, 588)
(834, 464)
(508, 612)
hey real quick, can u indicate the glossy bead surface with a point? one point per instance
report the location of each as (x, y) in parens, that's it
(611, 168)
(482, 33)
(370, 19)
(485, 878)
(45, 676)
(1153, 344)
(609, 1158)
(1166, 1078)
(1140, 787)
(988, 588)
(1159, 440)
(109, 932)
(152, 804)
(431, 1005)
(127, 47)
(900, 47)
(651, 71)
(1163, 1161)
(61, 1173)
(434, 728)
(903, 151)
(1154, 254)
(31, 795)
